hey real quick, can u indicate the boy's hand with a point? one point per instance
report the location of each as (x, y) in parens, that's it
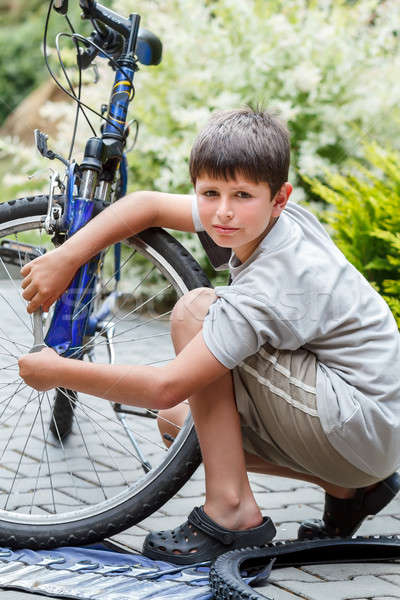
(40, 369)
(46, 278)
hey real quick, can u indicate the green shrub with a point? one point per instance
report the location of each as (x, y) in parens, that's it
(364, 217)
(20, 65)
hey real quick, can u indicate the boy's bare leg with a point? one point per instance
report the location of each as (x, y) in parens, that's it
(229, 499)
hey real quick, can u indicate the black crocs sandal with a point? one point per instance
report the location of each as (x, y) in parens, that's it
(201, 539)
(343, 516)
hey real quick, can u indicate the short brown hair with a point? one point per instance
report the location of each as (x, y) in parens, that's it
(252, 142)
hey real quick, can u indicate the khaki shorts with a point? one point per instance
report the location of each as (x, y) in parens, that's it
(275, 393)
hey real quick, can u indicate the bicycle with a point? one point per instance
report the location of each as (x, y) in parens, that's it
(74, 471)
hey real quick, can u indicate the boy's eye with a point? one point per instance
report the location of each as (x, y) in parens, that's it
(243, 195)
(209, 193)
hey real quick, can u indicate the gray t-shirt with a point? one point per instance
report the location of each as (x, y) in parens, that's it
(297, 289)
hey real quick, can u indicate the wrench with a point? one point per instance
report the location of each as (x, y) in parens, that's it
(17, 573)
(38, 339)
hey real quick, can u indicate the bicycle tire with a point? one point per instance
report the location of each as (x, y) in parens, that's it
(80, 527)
(229, 571)
(226, 580)
(63, 413)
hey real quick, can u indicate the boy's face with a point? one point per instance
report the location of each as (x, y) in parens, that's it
(236, 213)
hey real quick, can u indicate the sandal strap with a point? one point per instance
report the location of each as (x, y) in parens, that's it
(199, 519)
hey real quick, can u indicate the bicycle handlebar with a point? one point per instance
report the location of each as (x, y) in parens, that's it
(106, 16)
(113, 34)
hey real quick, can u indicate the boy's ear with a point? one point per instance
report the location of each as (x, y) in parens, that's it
(281, 197)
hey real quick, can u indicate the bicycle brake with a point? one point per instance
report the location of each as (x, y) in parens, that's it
(41, 145)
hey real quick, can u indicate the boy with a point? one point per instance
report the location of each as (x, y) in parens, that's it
(291, 370)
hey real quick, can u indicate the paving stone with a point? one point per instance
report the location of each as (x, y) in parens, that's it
(393, 508)
(359, 587)
(274, 592)
(282, 499)
(179, 506)
(351, 570)
(192, 489)
(392, 578)
(293, 513)
(292, 574)
(286, 531)
(380, 526)
(280, 484)
(161, 523)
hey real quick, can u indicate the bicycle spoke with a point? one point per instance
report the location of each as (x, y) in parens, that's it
(87, 450)
(95, 428)
(8, 384)
(23, 451)
(113, 324)
(18, 290)
(44, 451)
(82, 295)
(17, 315)
(10, 436)
(82, 406)
(141, 324)
(16, 411)
(143, 339)
(9, 398)
(103, 285)
(132, 295)
(7, 339)
(61, 442)
(8, 352)
(20, 266)
(132, 430)
(6, 367)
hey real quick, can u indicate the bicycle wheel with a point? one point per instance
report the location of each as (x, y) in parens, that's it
(112, 470)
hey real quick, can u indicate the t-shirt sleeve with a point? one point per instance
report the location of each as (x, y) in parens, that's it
(195, 215)
(238, 324)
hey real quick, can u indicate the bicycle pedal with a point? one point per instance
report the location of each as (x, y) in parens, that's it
(19, 253)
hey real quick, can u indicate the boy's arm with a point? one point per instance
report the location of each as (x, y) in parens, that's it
(45, 280)
(126, 217)
(195, 367)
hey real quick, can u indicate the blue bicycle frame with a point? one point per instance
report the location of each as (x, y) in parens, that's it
(71, 320)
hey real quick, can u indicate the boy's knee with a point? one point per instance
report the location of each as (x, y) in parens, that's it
(192, 307)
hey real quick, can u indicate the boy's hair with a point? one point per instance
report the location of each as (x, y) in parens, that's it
(250, 142)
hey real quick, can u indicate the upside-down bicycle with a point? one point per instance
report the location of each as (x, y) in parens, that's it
(74, 469)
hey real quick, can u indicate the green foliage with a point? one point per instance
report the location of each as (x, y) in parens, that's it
(365, 218)
(20, 65)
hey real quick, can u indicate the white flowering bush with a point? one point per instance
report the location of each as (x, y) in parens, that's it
(328, 67)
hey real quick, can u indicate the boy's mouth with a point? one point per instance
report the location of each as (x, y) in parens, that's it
(222, 229)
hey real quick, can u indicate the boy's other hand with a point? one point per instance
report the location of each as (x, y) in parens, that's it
(39, 369)
(46, 278)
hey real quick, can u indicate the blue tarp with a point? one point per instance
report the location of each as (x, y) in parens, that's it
(97, 572)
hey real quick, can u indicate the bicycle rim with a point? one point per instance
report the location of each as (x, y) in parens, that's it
(92, 482)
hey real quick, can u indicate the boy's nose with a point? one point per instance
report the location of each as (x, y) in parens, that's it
(224, 211)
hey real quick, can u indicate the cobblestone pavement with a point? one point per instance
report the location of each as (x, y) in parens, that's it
(286, 501)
